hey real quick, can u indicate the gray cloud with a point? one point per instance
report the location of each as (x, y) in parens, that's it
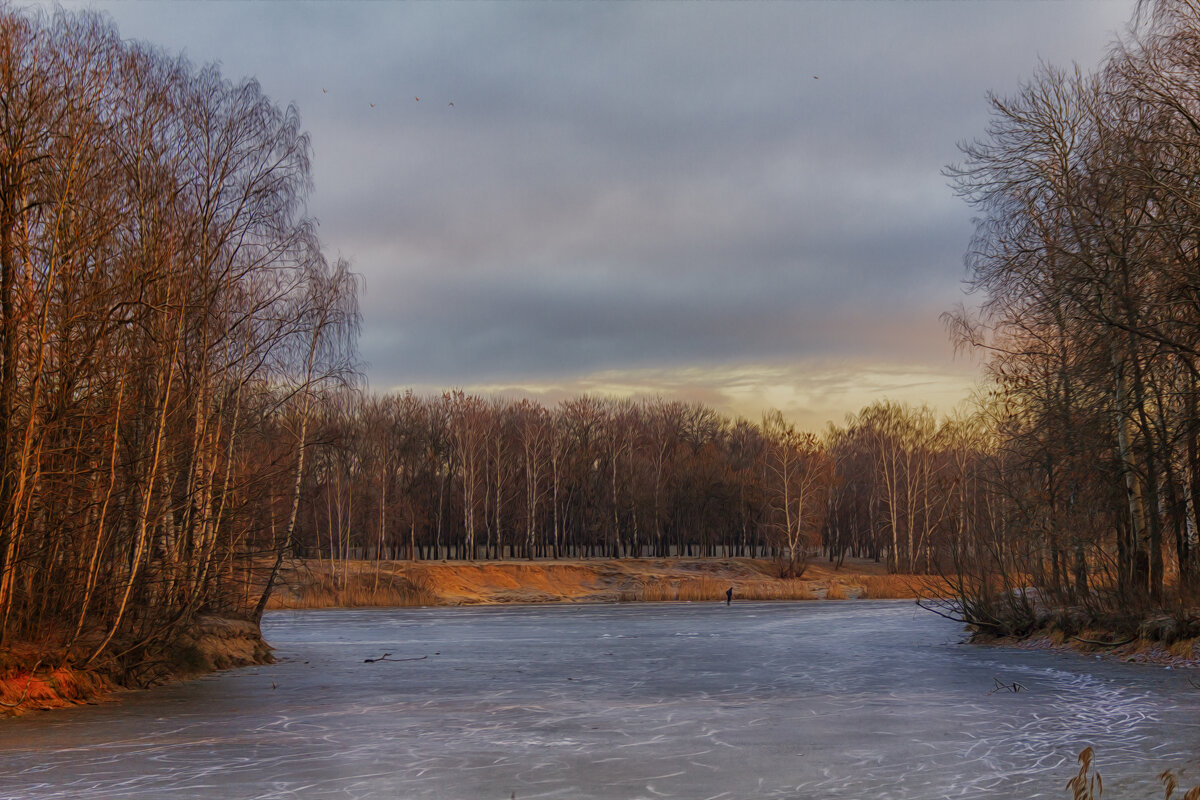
(632, 186)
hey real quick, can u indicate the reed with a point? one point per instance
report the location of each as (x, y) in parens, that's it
(839, 591)
(361, 589)
(711, 589)
(1184, 648)
(1087, 784)
(891, 587)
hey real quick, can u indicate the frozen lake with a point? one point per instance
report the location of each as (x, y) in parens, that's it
(806, 700)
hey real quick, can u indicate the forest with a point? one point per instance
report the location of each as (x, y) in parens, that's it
(463, 477)
(1086, 254)
(180, 410)
(167, 316)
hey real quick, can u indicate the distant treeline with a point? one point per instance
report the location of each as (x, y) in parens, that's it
(166, 316)
(464, 477)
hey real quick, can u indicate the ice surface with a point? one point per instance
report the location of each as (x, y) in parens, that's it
(690, 701)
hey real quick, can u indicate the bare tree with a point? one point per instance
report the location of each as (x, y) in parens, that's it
(798, 476)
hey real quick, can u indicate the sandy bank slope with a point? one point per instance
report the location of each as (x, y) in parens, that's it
(39, 677)
(318, 584)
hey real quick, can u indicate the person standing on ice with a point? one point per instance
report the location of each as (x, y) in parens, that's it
(729, 596)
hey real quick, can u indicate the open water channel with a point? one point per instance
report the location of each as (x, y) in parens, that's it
(691, 701)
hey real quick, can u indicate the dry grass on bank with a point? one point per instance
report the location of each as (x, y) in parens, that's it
(890, 587)
(353, 585)
(1180, 653)
(322, 584)
(1163, 637)
(698, 590)
(37, 676)
(60, 687)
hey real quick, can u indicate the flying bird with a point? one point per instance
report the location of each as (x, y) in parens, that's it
(417, 99)
(452, 105)
(816, 77)
(372, 105)
(323, 90)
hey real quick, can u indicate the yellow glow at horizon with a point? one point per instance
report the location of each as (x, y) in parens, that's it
(811, 394)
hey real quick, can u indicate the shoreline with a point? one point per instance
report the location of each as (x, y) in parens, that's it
(356, 584)
(1181, 654)
(212, 643)
(215, 643)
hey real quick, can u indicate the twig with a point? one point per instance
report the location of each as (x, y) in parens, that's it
(1104, 644)
(1013, 687)
(385, 657)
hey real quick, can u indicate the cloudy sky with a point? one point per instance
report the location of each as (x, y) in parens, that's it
(736, 203)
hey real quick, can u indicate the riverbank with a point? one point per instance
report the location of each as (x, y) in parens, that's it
(324, 584)
(38, 678)
(1181, 653)
(1164, 636)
